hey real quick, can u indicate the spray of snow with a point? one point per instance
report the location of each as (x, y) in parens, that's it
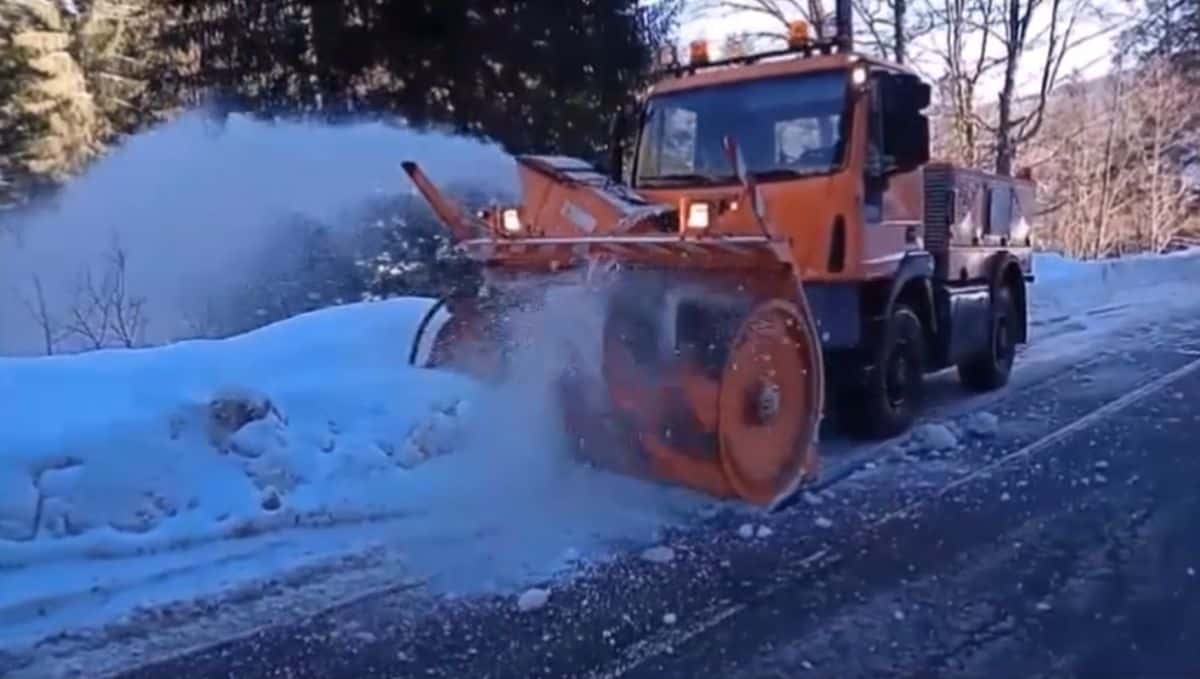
(192, 202)
(516, 477)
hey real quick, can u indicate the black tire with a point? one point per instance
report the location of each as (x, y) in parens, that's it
(888, 403)
(991, 369)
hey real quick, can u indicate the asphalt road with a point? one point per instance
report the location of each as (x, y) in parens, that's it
(1064, 546)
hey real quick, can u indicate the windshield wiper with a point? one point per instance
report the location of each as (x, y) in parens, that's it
(683, 178)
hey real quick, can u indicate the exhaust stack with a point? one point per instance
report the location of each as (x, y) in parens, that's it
(844, 26)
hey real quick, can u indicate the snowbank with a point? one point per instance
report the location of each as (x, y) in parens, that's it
(1066, 288)
(130, 479)
(314, 420)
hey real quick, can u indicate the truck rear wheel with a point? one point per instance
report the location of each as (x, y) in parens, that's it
(991, 369)
(888, 402)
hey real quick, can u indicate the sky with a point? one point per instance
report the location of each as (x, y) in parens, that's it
(1090, 58)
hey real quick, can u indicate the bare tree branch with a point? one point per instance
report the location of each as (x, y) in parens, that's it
(1113, 158)
(883, 27)
(128, 321)
(104, 313)
(51, 333)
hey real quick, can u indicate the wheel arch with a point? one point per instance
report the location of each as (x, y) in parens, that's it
(913, 287)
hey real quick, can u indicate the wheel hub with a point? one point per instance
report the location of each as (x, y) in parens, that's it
(1002, 346)
(722, 395)
(897, 378)
(766, 402)
(770, 407)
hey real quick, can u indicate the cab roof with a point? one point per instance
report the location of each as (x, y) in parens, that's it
(765, 65)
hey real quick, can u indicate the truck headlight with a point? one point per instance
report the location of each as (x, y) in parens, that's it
(510, 219)
(858, 75)
(697, 216)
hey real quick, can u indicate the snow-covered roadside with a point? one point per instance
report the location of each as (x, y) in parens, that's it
(313, 420)
(127, 483)
(1071, 295)
(123, 474)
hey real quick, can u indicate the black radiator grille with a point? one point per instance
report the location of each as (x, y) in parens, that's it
(938, 214)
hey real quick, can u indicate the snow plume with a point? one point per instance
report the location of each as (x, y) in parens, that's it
(194, 201)
(543, 342)
(518, 485)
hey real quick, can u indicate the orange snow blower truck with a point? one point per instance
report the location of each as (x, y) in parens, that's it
(780, 240)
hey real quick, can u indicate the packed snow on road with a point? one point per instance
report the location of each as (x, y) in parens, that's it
(135, 479)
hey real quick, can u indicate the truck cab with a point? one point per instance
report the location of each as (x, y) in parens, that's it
(910, 266)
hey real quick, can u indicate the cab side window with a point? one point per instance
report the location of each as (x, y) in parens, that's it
(1000, 204)
(874, 166)
(875, 140)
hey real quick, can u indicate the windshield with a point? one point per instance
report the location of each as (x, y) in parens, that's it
(790, 124)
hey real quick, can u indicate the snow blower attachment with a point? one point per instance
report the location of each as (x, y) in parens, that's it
(705, 361)
(705, 368)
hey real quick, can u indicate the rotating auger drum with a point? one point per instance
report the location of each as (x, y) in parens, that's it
(718, 386)
(696, 380)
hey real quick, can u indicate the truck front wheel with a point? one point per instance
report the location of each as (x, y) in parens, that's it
(991, 369)
(888, 401)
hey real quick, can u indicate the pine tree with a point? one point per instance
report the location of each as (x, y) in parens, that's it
(531, 75)
(18, 125)
(72, 78)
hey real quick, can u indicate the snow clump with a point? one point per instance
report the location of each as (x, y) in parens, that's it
(532, 599)
(982, 424)
(659, 554)
(934, 437)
